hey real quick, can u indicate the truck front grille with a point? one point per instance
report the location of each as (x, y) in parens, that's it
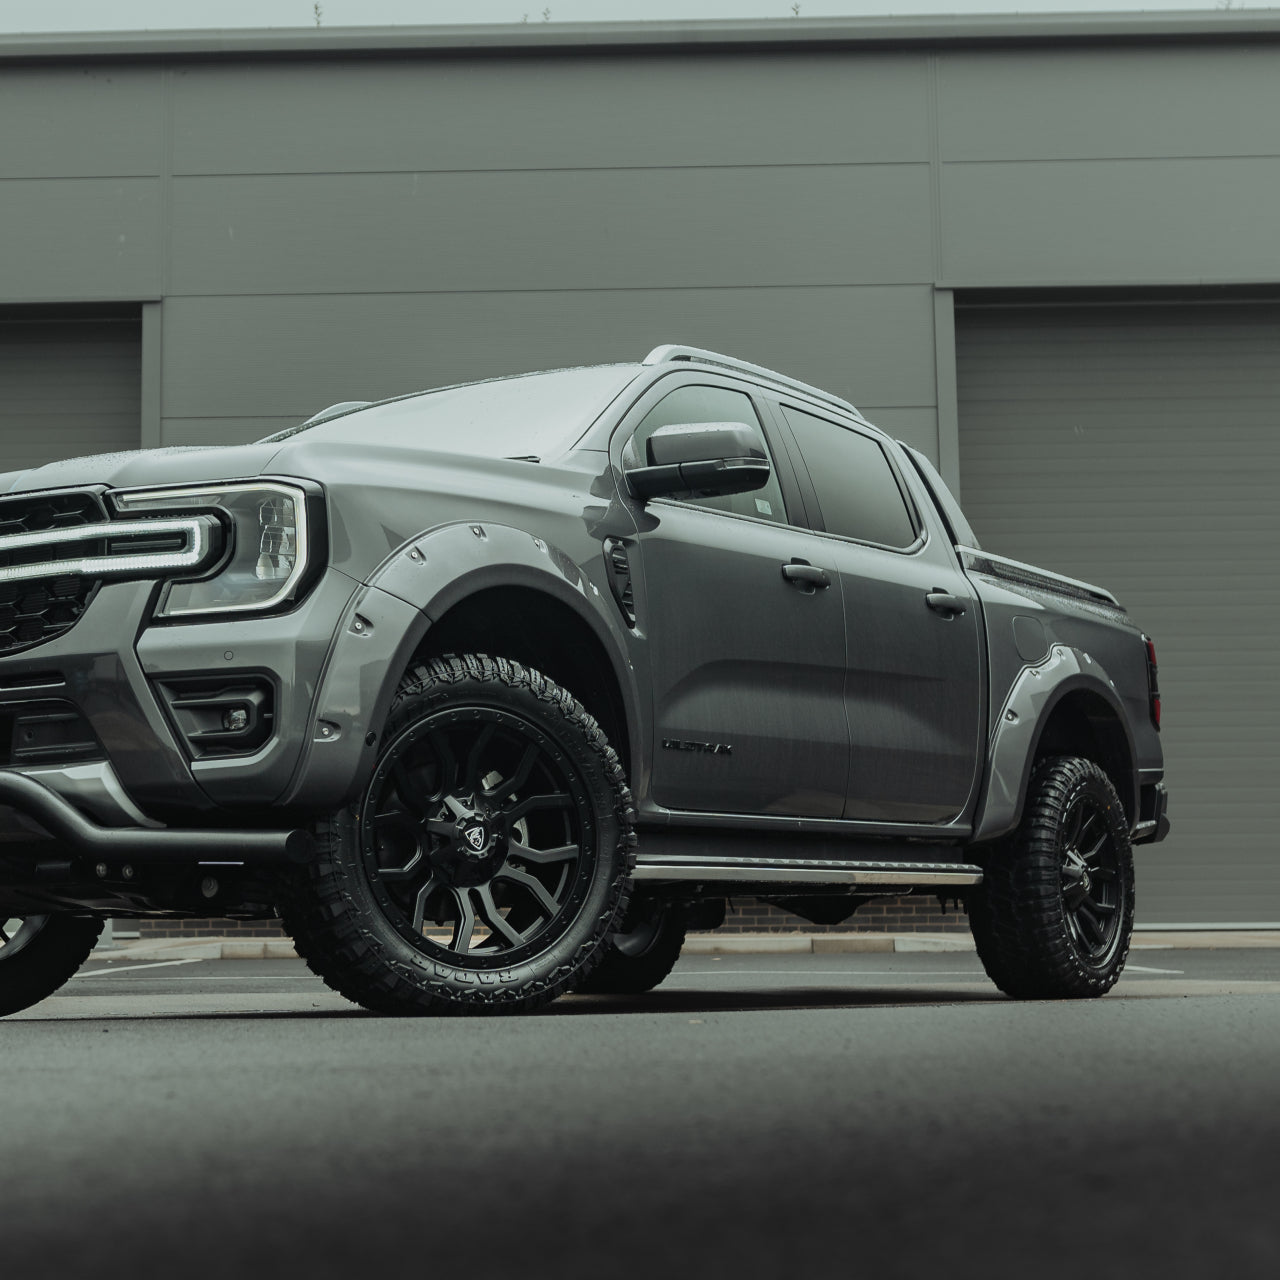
(33, 610)
(57, 547)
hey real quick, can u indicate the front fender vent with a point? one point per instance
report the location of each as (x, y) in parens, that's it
(619, 568)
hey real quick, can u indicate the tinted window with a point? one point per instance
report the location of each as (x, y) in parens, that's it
(713, 404)
(856, 487)
(536, 415)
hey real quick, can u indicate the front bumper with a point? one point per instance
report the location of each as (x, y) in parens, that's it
(108, 668)
(74, 835)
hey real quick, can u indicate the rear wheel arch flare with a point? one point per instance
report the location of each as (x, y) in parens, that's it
(1083, 722)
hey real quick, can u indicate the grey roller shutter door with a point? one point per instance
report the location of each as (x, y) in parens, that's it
(1138, 446)
(68, 387)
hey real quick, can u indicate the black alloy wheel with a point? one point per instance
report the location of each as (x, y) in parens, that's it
(476, 823)
(1053, 917)
(17, 933)
(1092, 887)
(488, 858)
(38, 954)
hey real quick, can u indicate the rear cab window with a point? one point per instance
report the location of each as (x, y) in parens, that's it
(857, 487)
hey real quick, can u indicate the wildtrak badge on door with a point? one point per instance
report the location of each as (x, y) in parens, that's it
(490, 692)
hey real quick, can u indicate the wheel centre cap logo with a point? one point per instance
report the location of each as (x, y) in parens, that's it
(475, 837)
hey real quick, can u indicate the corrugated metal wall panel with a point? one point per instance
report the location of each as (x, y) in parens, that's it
(243, 360)
(68, 388)
(568, 229)
(1139, 447)
(618, 111)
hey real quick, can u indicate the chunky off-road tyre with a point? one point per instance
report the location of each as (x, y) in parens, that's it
(40, 953)
(488, 859)
(642, 952)
(1054, 914)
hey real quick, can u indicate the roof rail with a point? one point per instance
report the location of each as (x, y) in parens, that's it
(661, 355)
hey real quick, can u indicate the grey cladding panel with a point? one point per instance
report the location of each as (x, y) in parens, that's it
(80, 122)
(79, 239)
(1138, 447)
(430, 114)
(564, 230)
(68, 388)
(1094, 103)
(251, 357)
(1110, 222)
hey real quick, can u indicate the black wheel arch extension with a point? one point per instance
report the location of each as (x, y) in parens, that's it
(1080, 715)
(544, 632)
(1085, 719)
(462, 588)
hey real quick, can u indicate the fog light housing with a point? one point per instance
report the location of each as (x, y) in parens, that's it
(235, 719)
(222, 715)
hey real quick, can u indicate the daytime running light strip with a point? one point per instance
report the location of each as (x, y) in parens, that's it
(218, 490)
(195, 529)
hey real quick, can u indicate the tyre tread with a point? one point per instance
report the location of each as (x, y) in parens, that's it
(50, 960)
(1017, 916)
(324, 914)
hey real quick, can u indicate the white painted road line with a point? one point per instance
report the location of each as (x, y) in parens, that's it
(1141, 968)
(226, 977)
(830, 973)
(130, 968)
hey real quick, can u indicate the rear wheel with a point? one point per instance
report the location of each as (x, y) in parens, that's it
(488, 859)
(642, 953)
(1054, 914)
(38, 954)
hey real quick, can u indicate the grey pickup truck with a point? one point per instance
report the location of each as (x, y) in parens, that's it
(491, 692)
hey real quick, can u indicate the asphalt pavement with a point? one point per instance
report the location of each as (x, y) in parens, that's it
(758, 1115)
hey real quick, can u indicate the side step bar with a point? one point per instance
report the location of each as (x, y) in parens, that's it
(79, 835)
(923, 875)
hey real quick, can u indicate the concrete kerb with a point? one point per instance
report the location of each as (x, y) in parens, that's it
(703, 944)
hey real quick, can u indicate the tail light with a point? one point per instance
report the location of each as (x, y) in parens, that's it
(1153, 684)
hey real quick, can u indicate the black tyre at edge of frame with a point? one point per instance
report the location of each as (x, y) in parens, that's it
(349, 939)
(1028, 936)
(46, 961)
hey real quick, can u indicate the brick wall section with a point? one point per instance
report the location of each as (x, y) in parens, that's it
(203, 928)
(885, 915)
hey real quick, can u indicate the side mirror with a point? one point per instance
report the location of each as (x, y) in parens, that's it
(710, 458)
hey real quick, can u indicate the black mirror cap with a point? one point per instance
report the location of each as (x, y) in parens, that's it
(711, 477)
(702, 442)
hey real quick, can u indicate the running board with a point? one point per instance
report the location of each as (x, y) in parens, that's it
(806, 871)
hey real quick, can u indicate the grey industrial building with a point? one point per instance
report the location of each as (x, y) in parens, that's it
(1044, 250)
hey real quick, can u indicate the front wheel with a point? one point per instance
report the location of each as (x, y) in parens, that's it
(1054, 914)
(38, 954)
(488, 859)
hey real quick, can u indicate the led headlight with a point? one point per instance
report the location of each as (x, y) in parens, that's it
(266, 523)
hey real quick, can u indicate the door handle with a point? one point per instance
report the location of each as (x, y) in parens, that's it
(945, 603)
(807, 577)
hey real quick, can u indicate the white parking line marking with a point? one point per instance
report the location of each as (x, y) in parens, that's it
(1141, 968)
(130, 968)
(231, 977)
(834, 973)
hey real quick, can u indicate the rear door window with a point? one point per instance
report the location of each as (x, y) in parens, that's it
(856, 485)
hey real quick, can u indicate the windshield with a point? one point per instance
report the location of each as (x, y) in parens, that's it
(534, 415)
